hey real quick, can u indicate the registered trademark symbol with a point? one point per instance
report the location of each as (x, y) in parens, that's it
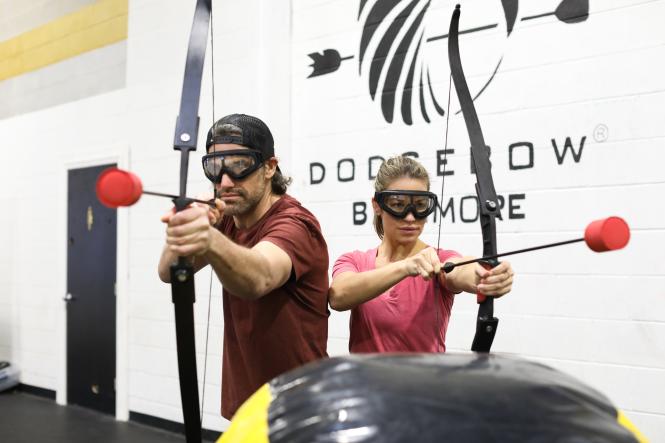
(601, 133)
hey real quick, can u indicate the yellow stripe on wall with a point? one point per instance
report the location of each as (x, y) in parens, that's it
(94, 26)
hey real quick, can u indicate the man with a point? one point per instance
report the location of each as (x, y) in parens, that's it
(268, 252)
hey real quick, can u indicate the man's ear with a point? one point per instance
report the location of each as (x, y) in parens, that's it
(271, 167)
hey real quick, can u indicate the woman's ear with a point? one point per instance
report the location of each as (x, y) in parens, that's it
(376, 207)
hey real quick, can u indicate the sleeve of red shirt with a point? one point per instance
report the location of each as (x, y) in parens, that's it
(300, 238)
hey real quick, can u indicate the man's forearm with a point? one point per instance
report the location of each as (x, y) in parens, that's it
(165, 261)
(241, 270)
(168, 258)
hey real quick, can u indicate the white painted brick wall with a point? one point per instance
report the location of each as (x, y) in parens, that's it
(593, 316)
(596, 317)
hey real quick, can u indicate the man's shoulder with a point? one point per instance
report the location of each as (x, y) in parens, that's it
(288, 203)
(289, 207)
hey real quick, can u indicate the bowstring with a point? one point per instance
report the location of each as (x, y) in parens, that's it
(443, 181)
(445, 162)
(205, 351)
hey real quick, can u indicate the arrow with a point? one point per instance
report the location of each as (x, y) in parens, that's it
(607, 234)
(117, 188)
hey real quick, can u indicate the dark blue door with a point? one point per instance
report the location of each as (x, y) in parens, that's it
(91, 301)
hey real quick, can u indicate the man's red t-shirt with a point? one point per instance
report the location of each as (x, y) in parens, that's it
(287, 327)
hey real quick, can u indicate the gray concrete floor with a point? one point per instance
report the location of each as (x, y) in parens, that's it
(28, 418)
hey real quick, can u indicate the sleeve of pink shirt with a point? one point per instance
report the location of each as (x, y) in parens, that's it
(347, 262)
(447, 254)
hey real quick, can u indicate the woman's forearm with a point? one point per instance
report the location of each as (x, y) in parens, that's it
(351, 289)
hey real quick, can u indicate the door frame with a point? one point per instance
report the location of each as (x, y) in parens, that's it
(99, 155)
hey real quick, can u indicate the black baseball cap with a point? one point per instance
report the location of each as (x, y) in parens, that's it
(245, 130)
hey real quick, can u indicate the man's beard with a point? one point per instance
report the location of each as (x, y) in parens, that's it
(246, 203)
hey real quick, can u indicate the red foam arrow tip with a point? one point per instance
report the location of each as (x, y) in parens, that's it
(116, 188)
(607, 234)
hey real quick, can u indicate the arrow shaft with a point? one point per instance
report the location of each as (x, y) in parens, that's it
(171, 196)
(160, 194)
(518, 251)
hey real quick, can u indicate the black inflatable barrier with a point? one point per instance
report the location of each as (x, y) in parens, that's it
(428, 398)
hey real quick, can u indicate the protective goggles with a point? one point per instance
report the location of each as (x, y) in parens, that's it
(399, 203)
(237, 164)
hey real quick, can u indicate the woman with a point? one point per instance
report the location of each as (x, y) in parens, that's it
(400, 300)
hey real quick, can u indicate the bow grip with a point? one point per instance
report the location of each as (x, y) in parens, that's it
(487, 264)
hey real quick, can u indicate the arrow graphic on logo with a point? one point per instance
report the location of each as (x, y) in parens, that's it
(326, 62)
(568, 11)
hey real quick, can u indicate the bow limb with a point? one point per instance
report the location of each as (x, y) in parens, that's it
(488, 204)
(182, 273)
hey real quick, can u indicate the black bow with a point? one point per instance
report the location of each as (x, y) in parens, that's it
(488, 203)
(182, 273)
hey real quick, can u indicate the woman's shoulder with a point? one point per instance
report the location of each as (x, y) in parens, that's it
(358, 255)
(356, 260)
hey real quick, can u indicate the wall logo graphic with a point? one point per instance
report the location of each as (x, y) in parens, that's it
(403, 62)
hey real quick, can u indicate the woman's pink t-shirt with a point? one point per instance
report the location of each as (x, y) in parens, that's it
(412, 316)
